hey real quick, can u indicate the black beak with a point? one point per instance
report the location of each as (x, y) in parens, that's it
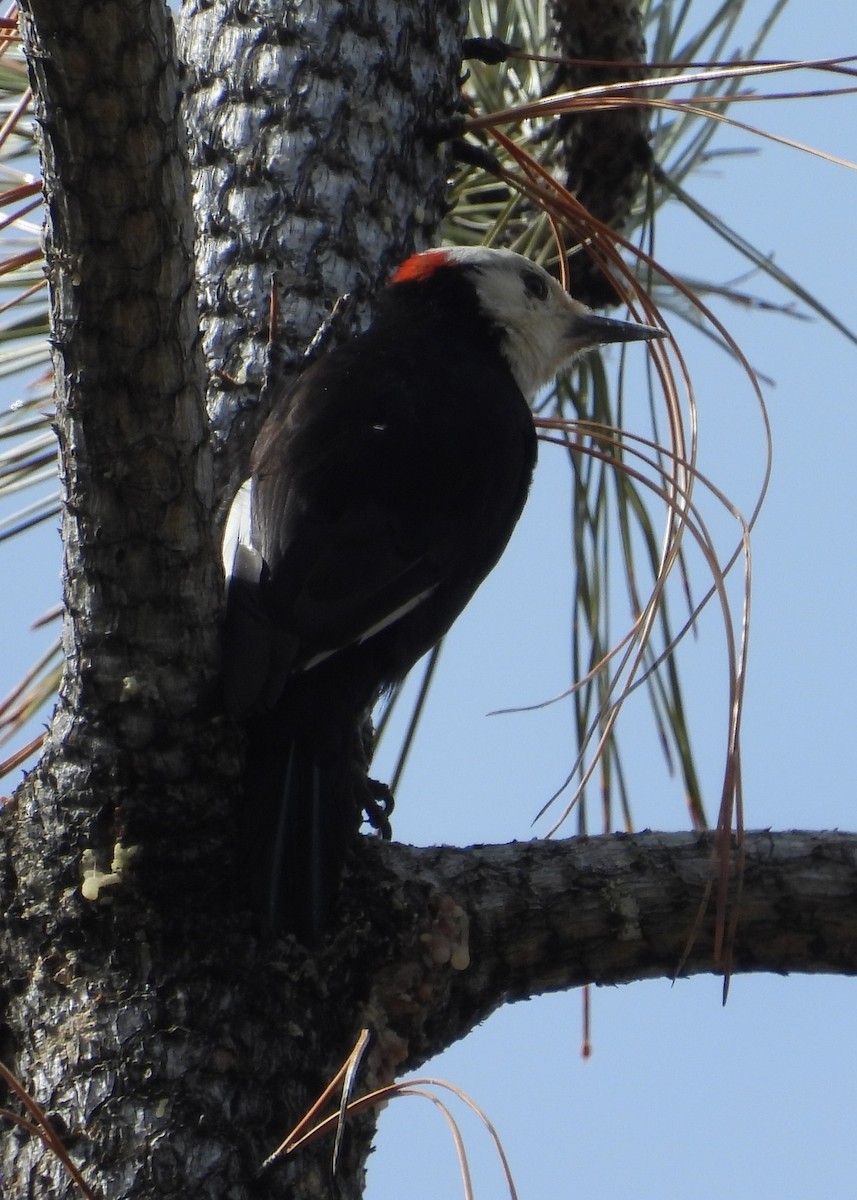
(600, 330)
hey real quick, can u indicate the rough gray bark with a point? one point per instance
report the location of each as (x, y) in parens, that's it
(539, 916)
(140, 578)
(447, 936)
(172, 1046)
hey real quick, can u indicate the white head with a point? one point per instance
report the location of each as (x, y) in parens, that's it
(543, 327)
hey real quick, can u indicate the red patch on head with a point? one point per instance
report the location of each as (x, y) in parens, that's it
(420, 266)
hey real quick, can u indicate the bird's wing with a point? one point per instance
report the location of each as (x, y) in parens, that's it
(338, 581)
(339, 577)
(333, 538)
(361, 508)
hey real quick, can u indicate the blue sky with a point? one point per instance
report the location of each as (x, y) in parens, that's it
(681, 1097)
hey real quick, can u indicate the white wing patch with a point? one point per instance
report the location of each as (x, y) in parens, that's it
(238, 527)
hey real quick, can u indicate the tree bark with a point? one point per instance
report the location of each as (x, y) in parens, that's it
(497, 924)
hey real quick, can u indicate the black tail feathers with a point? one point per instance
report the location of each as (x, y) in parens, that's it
(300, 813)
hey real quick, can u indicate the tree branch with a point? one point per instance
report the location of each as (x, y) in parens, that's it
(606, 154)
(141, 578)
(118, 249)
(504, 923)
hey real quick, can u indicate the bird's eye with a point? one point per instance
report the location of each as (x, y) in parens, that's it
(536, 285)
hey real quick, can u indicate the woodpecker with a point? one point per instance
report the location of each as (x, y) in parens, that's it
(383, 489)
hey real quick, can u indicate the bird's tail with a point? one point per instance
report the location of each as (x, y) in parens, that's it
(299, 815)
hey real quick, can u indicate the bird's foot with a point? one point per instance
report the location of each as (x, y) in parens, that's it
(378, 804)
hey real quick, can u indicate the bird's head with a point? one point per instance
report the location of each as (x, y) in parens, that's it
(541, 328)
